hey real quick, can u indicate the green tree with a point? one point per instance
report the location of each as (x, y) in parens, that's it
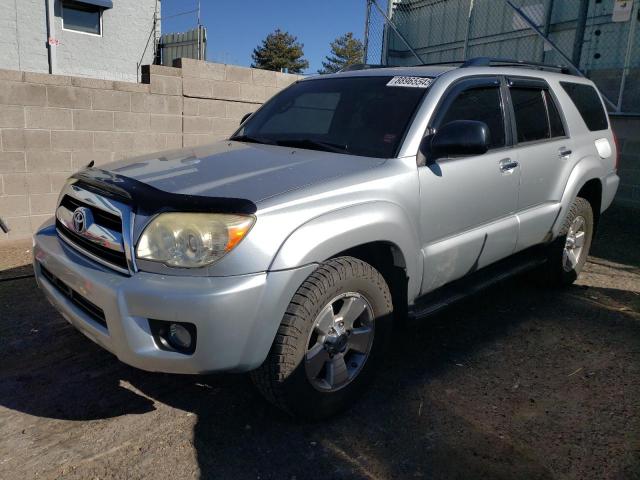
(345, 51)
(280, 50)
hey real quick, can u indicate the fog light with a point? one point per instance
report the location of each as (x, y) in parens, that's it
(179, 337)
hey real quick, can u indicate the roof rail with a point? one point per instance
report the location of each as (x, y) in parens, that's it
(490, 62)
(361, 66)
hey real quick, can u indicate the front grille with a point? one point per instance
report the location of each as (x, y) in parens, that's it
(92, 245)
(92, 310)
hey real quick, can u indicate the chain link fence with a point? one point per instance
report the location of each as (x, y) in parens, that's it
(601, 37)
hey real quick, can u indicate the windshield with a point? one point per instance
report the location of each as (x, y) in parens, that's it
(353, 115)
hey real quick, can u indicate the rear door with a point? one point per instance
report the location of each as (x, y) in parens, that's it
(545, 154)
(468, 204)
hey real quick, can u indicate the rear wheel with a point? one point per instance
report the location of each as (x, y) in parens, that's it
(330, 340)
(568, 254)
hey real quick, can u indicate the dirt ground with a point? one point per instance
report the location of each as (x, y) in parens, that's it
(520, 382)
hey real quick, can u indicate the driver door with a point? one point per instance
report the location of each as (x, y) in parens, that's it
(468, 204)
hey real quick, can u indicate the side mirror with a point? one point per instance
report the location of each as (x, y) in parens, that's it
(245, 116)
(457, 138)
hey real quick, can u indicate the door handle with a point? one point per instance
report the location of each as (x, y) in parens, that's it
(507, 165)
(564, 153)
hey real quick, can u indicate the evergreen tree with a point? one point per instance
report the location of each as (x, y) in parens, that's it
(280, 50)
(345, 51)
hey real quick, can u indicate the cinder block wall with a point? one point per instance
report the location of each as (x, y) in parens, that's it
(627, 129)
(53, 125)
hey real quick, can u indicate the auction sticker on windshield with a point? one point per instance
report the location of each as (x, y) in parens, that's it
(412, 82)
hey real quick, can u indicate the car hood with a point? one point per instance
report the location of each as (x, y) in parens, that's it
(239, 170)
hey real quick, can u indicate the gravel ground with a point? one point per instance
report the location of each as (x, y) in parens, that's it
(519, 382)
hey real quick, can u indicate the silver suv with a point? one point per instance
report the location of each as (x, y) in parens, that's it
(344, 203)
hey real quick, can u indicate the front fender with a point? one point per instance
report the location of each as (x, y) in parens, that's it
(588, 168)
(324, 236)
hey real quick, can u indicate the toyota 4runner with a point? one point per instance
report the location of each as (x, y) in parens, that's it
(344, 203)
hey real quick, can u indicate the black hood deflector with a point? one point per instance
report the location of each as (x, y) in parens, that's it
(147, 200)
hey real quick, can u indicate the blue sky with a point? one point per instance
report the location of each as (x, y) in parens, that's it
(236, 27)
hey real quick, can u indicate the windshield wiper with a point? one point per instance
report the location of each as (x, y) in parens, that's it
(313, 145)
(252, 139)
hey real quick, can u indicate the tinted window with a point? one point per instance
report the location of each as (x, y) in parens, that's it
(531, 114)
(480, 104)
(555, 122)
(588, 103)
(81, 17)
(353, 115)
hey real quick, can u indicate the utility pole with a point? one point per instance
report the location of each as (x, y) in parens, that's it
(365, 53)
(580, 27)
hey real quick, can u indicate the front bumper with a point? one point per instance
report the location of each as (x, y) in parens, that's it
(236, 316)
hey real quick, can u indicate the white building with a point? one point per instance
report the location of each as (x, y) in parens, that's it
(105, 39)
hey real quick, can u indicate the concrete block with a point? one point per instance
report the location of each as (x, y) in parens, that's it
(12, 93)
(12, 116)
(285, 79)
(149, 142)
(68, 140)
(197, 68)
(265, 78)
(166, 85)
(25, 183)
(42, 204)
(11, 162)
(237, 110)
(234, 73)
(111, 100)
(39, 182)
(161, 70)
(81, 158)
(131, 87)
(49, 118)
(197, 87)
(20, 228)
(131, 122)
(37, 221)
(197, 125)
(174, 140)
(19, 139)
(92, 120)
(252, 93)
(57, 181)
(92, 83)
(166, 123)
(13, 75)
(212, 108)
(14, 205)
(46, 78)
(224, 126)
(38, 162)
(195, 139)
(68, 97)
(270, 92)
(113, 141)
(190, 106)
(166, 104)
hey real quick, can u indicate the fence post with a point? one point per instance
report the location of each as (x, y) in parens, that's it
(580, 27)
(468, 33)
(367, 18)
(627, 56)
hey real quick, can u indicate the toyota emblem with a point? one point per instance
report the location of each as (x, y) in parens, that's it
(82, 219)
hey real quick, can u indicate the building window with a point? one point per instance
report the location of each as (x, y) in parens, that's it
(82, 17)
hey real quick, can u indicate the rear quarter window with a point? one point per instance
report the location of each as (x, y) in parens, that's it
(588, 103)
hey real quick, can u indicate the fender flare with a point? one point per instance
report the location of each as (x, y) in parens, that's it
(332, 232)
(588, 168)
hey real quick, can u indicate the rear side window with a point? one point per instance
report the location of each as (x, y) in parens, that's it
(531, 114)
(481, 104)
(588, 103)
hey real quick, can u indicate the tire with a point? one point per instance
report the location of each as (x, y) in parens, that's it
(303, 374)
(564, 261)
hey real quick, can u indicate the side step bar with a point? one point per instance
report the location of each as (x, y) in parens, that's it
(471, 284)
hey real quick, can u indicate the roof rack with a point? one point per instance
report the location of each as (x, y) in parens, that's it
(490, 62)
(362, 66)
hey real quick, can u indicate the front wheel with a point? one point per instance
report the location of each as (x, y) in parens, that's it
(330, 340)
(568, 254)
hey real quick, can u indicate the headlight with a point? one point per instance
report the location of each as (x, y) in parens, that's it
(190, 240)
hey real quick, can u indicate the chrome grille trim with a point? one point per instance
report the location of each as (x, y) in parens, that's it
(100, 235)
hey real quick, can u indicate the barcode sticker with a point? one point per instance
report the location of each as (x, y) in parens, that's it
(411, 82)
